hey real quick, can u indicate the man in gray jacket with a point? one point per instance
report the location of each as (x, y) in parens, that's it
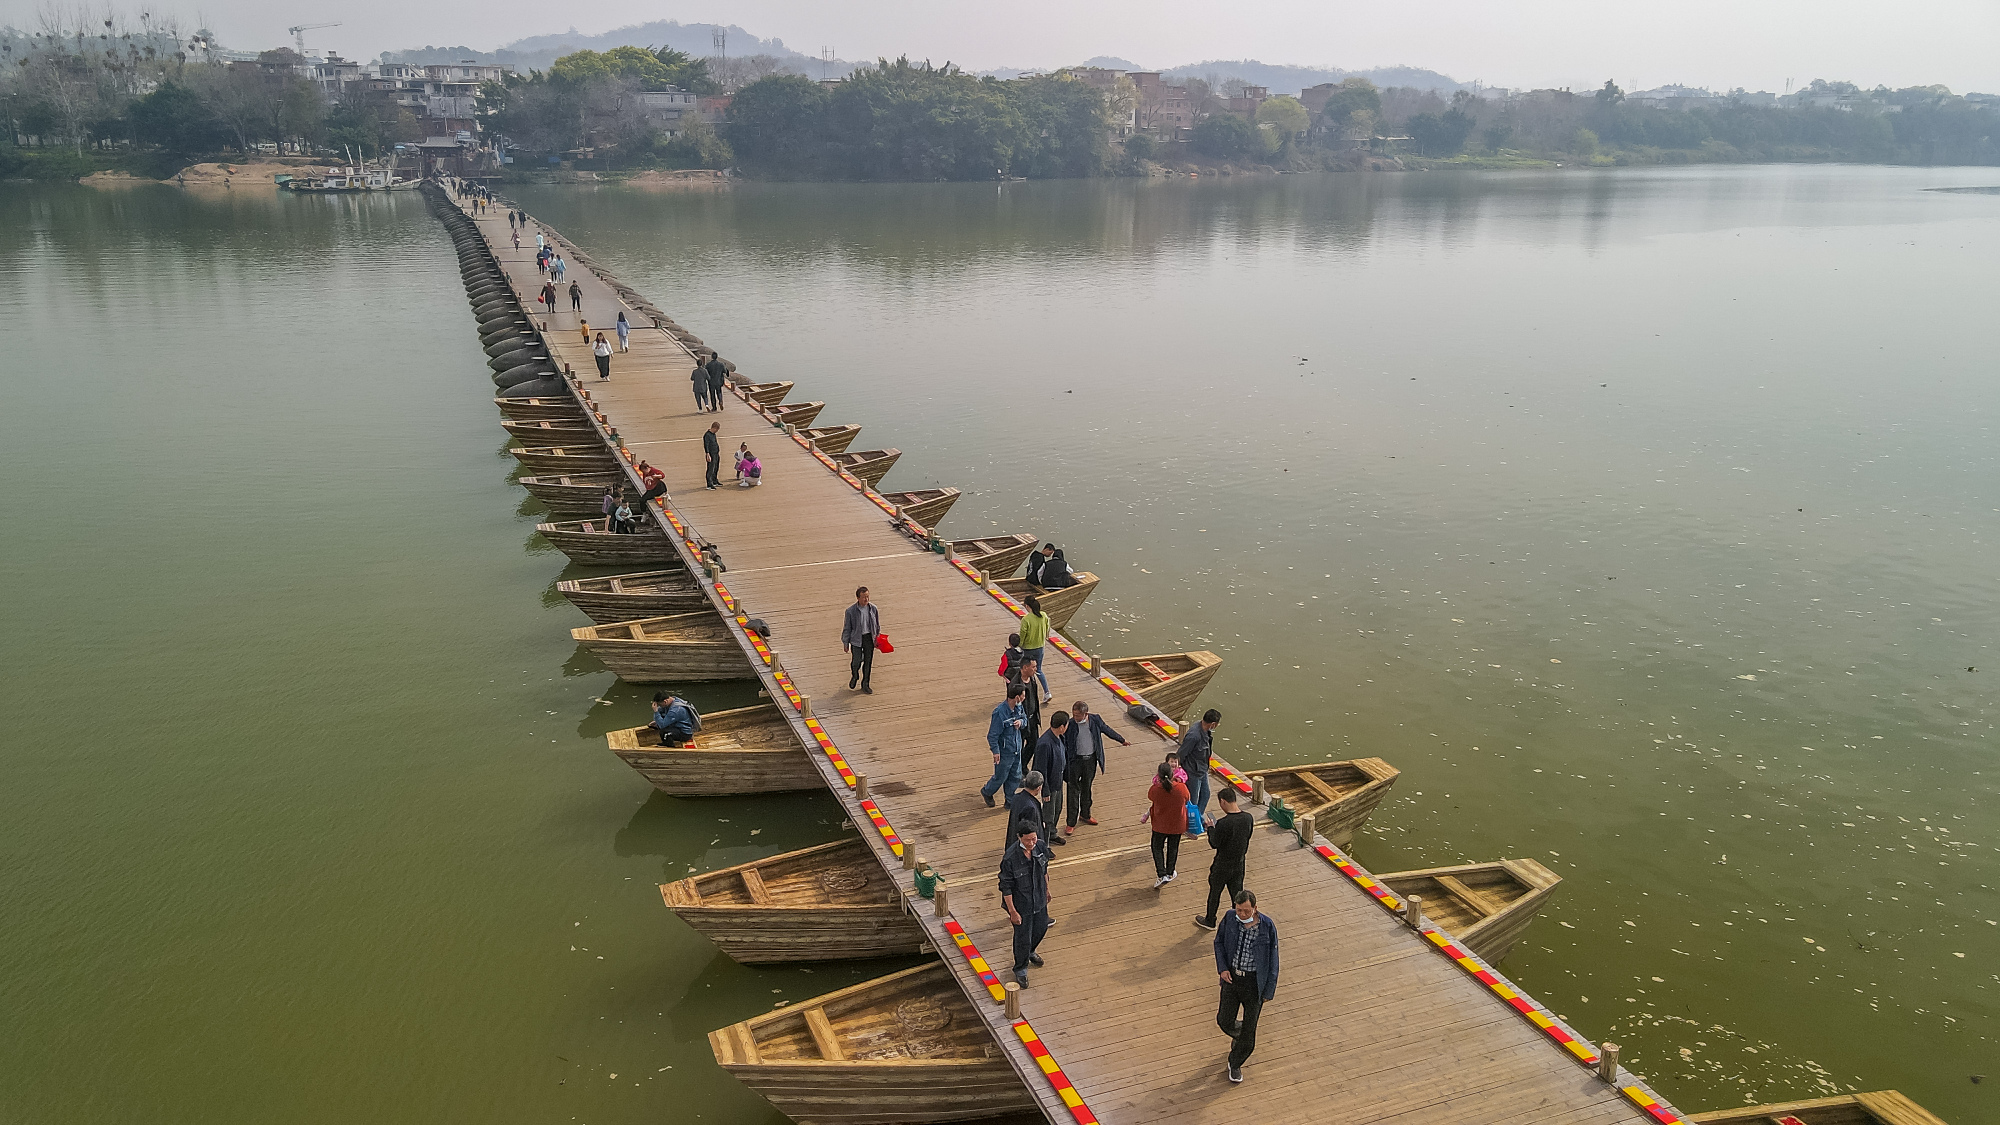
(857, 635)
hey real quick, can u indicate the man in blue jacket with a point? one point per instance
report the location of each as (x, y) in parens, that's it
(675, 719)
(1246, 958)
(1003, 737)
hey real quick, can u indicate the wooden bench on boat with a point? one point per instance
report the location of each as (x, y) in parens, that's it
(628, 597)
(555, 409)
(766, 394)
(1882, 1107)
(593, 458)
(581, 493)
(926, 505)
(997, 556)
(907, 1047)
(660, 650)
(832, 902)
(1060, 605)
(799, 414)
(591, 543)
(747, 750)
(869, 465)
(1170, 681)
(1339, 795)
(1486, 906)
(832, 439)
(543, 433)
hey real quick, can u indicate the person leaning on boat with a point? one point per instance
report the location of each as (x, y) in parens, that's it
(1024, 891)
(675, 719)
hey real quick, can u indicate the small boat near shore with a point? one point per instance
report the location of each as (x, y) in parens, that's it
(591, 543)
(629, 597)
(581, 494)
(869, 465)
(746, 750)
(679, 648)
(1339, 795)
(832, 439)
(907, 1047)
(594, 458)
(1881, 1107)
(998, 556)
(766, 394)
(927, 506)
(832, 902)
(1060, 605)
(1170, 681)
(548, 433)
(1486, 906)
(798, 414)
(557, 409)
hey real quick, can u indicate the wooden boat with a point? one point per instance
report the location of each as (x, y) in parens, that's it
(628, 597)
(560, 459)
(796, 413)
(747, 750)
(582, 494)
(907, 1047)
(827, 903)
(1882, 1107)
(590, 543)
(833, 439)
(1486, 906)
(926, 505)
(1339, 795)
(870, 465)
(659, 650)
(559, 409)
(1060, 605)
(543, 433)
(766, 394)
(997, 555)
(1170, 681)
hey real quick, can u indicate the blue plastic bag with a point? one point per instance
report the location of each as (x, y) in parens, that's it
(1195, 826)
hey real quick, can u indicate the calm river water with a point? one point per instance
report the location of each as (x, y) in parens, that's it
(1647, 520)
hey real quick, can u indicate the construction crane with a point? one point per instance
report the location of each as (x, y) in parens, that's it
(299, 33)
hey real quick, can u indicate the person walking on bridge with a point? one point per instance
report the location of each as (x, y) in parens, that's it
(711, 447)
(1003, 738)
(1034, 635)
(858, 633)
(548, 296)
(1246, 958)
(1167, 813)
(624, 330)
(718, 374)
(699, 378)
(602, 350)
(575, 297)
(1230, 837)
(1052, 762)
(1024, 807)
(1024, 891)
(1197, 745)
(1085, 743)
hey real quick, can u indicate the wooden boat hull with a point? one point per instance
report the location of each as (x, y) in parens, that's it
(1060, 605)
(582, 495)
(553, 409)
(832, 439)
(1339, 795)
(1187, 673)
(544, 433)
(1881, 1107)
(799, 414)
(628, 597)
(675, 649)
(647, 546)
(869, 466)
(832, 902)
(926, 506)
(749, 750)
(566, 459)
(998, 556)
(907, 1047)
(766, 394)
(1486, 906)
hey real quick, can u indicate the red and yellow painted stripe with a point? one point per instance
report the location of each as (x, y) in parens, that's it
(881, 824)
(833, 753)
(1657, 1109)
(1054, 1073)
(975, 959)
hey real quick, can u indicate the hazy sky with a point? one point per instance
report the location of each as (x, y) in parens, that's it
(1716, 43)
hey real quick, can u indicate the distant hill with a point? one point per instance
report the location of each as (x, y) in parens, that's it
(536, 52)
(1283, 79)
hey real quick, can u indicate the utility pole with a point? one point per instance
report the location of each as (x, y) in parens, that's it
(825, 61)
(721, 38)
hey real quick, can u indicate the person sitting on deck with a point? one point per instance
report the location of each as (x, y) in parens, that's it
(751, 468)
(675, 719)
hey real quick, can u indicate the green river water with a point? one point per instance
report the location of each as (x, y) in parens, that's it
(1646, 520)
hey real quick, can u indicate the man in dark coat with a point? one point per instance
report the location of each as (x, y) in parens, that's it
(711, 447)
(1051, 761)
(1085, 742)
(1246, 959)
(1024, 806)
(858, 631)
(718, 374)
(1024, 892)
(1230, 837)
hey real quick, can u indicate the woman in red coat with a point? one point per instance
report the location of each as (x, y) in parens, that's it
(1168, 817)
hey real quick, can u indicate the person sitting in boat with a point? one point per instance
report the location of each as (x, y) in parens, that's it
(621, 520)
(675, 718)
(1048, 569)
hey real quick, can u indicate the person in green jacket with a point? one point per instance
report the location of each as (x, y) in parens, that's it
(1034, 635)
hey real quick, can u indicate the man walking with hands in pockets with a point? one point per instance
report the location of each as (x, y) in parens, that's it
(1246, 958)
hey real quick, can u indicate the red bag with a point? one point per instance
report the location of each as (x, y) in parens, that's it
(882, 643)
(1003, 663)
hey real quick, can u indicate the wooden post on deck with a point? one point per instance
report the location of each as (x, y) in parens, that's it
(1413, 911)
(1306, 829)
(1607, 1062)
(909, 858)
(938, 899)
(861, 787)
(1258, 796)
(1013, 1000)
(950, 552)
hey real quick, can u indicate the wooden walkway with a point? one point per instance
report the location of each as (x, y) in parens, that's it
(1373, 1022)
